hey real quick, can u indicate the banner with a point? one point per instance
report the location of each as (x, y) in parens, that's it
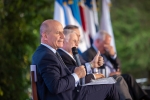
(105, 23)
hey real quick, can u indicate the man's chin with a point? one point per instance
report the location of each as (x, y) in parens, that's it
(60, 46)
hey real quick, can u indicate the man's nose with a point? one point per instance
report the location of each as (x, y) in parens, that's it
(62, 35)
(77, 44)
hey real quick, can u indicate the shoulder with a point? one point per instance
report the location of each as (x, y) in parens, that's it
(61, 52)
(66, 58)
(87, 52)
(42, 53)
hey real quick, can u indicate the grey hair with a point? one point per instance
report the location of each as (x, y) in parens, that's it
(71, 27)
(43, 28)
(67, 33)
(101, 35)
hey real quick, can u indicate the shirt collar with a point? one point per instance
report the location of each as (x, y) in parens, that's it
(67, 53)
(49, 47)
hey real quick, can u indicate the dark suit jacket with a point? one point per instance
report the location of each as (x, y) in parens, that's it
(71, 64)
(55, 81)
(135, 90)
(90, 53)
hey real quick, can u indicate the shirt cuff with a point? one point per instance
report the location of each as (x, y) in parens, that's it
(88, 68)
(94, 76)
(114, 57)
(76, 78)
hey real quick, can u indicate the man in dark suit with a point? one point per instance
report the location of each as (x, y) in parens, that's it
(55, 81)
(65, 52)
(67, 56)
(111, 63)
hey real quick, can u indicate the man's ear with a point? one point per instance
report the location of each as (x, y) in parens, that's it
(44, 35)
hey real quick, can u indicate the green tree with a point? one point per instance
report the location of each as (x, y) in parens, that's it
(19, 29)
(131, 21)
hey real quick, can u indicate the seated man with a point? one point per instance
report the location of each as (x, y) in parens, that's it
(70, 41)
(71, 33)
(55, 80)
(102, 44)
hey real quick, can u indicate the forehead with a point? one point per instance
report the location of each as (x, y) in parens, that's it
(77, 31)
(73, 36)
(56, 27)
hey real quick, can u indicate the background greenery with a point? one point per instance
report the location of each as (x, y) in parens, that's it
(131, 21)
(19, 37)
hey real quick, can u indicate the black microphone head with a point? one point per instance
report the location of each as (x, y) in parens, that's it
(74, 50)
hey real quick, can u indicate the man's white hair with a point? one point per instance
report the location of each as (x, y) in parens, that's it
(101, 35)
(67, 33)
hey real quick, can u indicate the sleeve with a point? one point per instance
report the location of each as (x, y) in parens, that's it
(76, 79)
(88, 68)
(115, 61)
(89, 77)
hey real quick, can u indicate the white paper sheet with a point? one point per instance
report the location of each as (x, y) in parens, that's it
(109, 80)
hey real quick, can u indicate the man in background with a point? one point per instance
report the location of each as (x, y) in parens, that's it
(102, 43)
(65, 52)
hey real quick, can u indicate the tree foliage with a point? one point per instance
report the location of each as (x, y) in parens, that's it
(131, 21)
(19, 29)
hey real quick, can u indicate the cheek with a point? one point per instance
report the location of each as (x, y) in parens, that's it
(73, 45)
(108, 42)
(70, 45)
(58, 42)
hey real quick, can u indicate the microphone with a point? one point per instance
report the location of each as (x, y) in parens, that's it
(76, 56)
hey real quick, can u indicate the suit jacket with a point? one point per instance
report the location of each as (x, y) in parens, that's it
(90, 53)
(71, 64)
(55, 81)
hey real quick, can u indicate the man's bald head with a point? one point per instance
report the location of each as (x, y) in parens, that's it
(51, 32)
(48, 25)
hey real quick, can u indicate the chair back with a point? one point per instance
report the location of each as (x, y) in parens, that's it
(33, 81)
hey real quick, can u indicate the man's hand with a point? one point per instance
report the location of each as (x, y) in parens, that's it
(80, 71)
(97, 61)
(115, 73)
(109, 49)
(97, 76)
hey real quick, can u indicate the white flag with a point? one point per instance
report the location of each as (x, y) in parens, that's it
(105, 23)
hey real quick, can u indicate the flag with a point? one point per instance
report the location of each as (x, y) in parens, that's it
(84, 23)
(105, 23)
(90, 18)
(76, 14)
(59, 11)
(95, 15)
(67, 13)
